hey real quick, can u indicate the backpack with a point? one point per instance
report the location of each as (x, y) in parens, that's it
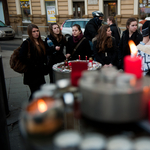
(15, 62)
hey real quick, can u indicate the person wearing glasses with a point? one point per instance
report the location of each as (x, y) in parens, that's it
(33, 54)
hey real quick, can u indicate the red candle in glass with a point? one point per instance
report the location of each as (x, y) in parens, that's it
(86, 58)
(79, 57)
(133, 63)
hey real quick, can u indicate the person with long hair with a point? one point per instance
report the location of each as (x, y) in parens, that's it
(79, 42)
(131, 33)
(54, 44)
(104, 47)
(33, 54)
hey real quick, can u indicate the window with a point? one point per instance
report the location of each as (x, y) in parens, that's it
(81, 23)
(67, 24)
(25, 10)
(50, 11)
(144, 9)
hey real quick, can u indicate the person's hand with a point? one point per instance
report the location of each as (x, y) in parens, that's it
(57, 48)
(106, 66)
(67, 56)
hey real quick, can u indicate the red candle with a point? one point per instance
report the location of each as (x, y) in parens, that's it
(133, 64)
(79, 57)
(86, 58)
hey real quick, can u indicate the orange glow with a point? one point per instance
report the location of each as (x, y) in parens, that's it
(133, 48)
(146, 89)
(133, 82)
(41, 105)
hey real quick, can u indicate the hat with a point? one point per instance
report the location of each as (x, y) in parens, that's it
(142, 21)
(97, 14)
(145, 28)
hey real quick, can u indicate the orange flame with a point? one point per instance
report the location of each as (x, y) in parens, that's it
(133, 48)
(41, 105)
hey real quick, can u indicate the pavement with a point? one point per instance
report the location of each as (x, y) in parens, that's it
(17, 95)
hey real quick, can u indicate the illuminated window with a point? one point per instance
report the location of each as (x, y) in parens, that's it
(25, 10)
(144, 9)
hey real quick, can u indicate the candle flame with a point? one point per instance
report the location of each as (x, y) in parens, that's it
(133, 48)
(42, 105)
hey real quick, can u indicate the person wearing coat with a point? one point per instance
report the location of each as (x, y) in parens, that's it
(115, 31)
(105, 50)
(84, 47)
(131, 33)
(54, 44)
(36, 61)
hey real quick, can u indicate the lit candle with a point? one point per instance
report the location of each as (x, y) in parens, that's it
(86, 58)
(79, 57)
(133, 64)
(41, 116)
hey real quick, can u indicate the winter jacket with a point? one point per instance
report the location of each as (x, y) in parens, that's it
(83, 49)
(91, 29)
(55, 56)
(124, 48)
(36, 64)
(108, 56)
(115, 33)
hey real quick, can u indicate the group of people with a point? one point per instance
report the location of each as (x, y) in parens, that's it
(102, 42)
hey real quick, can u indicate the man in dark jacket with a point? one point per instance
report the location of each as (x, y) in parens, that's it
(92, 26)
(115, 31)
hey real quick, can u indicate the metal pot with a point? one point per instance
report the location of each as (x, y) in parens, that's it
(113, 97)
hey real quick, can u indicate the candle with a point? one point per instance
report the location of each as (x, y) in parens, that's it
(43, 115)
(86, 58)
(133, 64)
(79, 57)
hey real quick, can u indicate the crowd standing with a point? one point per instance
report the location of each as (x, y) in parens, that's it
(102, 42)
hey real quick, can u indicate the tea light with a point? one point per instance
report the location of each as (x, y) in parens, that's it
(133, 64)
(44, 115)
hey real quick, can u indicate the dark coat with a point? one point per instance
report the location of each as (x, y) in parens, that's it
(54, 55)
(115, 33)
(91, 29)
(108, 56)
(124, 48)
(36, 64)
(82, 50)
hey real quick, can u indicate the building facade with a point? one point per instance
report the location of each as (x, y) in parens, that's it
(43, 12)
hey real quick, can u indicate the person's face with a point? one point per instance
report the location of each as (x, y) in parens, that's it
(100, 18)
(75, 31)
(108, 32)
(35, 33)
(56, 29)
(133, 26)
(108, 21)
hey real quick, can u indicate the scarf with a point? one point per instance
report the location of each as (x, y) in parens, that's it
(77, 38)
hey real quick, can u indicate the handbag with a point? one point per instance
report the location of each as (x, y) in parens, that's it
(15, 62)
(74, 50)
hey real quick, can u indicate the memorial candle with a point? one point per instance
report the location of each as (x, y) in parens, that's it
(86, 58)
(79, 57)
(133, 63)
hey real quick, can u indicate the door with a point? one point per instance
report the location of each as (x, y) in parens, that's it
(78, 9)
(110, 9)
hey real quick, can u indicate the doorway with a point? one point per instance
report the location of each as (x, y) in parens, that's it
(78, 9)
(110, 9)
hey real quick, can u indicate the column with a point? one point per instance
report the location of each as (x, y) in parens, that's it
(42, 7)
(56, 7)
(101, 6)
(70, 8)
(30, 7)
(119, 7)
(136, 7)
(18, 7)
(85, 5)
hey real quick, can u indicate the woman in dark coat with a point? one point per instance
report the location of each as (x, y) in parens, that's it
(83, 48)
(36, 61)
(54, 44)
(104, 47)
(131, 33)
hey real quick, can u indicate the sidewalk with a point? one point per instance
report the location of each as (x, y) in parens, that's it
(17, 94)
